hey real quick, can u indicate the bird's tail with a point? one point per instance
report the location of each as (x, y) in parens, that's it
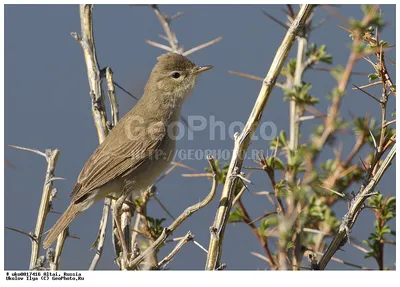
(72, 211)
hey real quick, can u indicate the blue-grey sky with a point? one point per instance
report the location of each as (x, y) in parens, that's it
(47, 105)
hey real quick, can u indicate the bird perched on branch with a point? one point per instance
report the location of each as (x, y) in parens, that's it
(140, 146)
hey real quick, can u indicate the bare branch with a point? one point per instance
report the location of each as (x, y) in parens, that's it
(186, 214)
(125, 91)
(351, 216)
(368, 94)
(29, 234)
(59, 248)
(112, 96)
(248, 76)
(98, 244)
(367, 86)
(202, 46)
(86, 41)
(173, 42)
(29, 149)
(243, 140)
(51, 158)
(276, 20)
(171, 37)
(262, 257)
(158, 45)
(188, 237)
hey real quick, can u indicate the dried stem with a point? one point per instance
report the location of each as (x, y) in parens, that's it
(261, 238)
(242, 141)
(135, 230)
(112, 96)
(171, 37)
(51, 158)
(345, 262)
(86, 41)
(173, 42)
(101, 235)
(355, 208)
(44, 208)
(333, 113)
(295, 110)
(59, 248)
(185, 239)
(202, 46)
(177, 222)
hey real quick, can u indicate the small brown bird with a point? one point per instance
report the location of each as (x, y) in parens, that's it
(140, 146)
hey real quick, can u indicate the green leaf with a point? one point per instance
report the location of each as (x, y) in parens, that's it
(278, 164)
(236, 215)
(373, 77)
(289, 245)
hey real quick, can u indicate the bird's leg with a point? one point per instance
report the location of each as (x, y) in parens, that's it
(117, 214)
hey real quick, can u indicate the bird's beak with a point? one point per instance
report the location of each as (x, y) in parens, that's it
(201, 69)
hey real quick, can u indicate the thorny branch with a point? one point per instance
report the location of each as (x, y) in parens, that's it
(87, 43)
(185, 239)
(174, 45)
(59, 248)
(261, 238)
(242, 141)
(51, 157)
(333, 112)
(355, 208)
(177, 222)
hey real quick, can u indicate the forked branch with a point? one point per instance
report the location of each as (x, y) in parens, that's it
(177, 222)
(242, 141)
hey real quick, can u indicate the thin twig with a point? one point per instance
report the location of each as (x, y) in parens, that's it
(345, 262)
(98, 244)
(248, 76)
(101, 235)
(125, 91)
(368, 94)
(367, 86)
(29, 234)
(188, 237)
(87, 43)
(262, 257)
(330, 121)
(164, 208)
(51, 158)
(59, 248)
(355, 208)
(243, 140)
(173, 42)
(389, 123)
(174, 45)
(202, 46)
(160, 46)
(275, 20)
(112, 96)
(261, 238)
(200, 246)
(263, 216)
(29, 149)
(186, 214)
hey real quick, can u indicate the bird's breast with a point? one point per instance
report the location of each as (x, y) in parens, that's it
(147, 173)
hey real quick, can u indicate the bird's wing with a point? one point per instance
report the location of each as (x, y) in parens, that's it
(116, 157)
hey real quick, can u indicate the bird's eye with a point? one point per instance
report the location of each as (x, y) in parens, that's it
(175, 75)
